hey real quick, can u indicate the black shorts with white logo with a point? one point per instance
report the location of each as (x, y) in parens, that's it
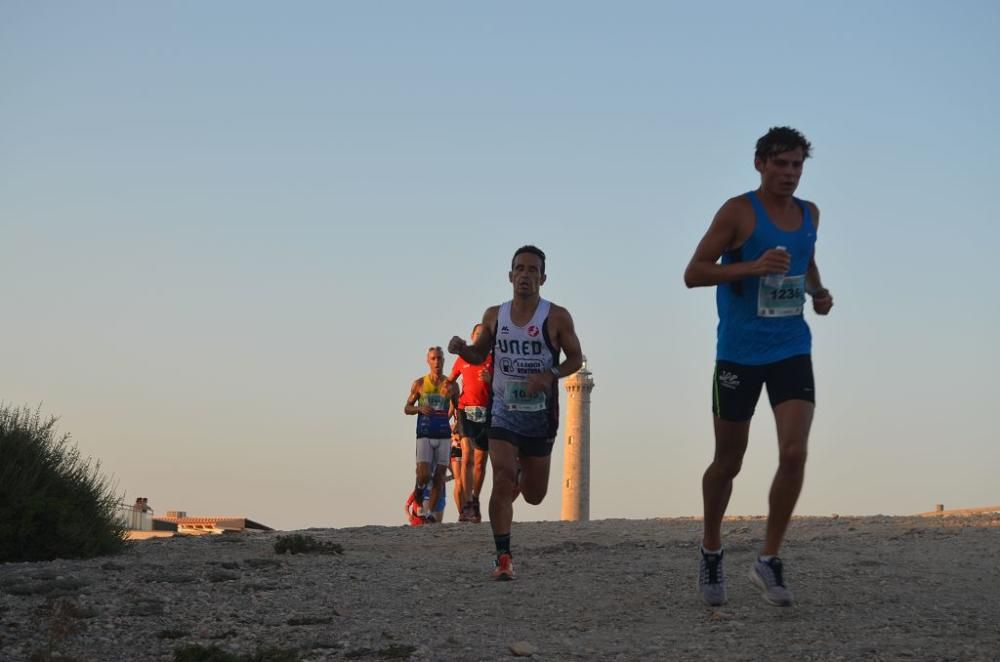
(526, 446)
(736, 387)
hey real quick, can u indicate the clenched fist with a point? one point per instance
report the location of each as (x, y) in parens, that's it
(456, 345)
(822, 301)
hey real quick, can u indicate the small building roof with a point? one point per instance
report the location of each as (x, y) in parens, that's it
(219, 522)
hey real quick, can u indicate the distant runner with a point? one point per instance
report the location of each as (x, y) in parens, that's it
(473, 411)
(432, 400)
(526, 336)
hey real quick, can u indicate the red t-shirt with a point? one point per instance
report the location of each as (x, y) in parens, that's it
(475, 391)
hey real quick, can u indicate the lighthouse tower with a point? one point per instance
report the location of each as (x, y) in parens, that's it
(576, 466)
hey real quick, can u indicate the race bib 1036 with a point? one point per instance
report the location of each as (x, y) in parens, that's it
(516, 398)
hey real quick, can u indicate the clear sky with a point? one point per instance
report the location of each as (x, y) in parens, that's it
(228, 232)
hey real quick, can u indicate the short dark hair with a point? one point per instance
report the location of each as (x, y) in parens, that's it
(534, 250)
(781, 139)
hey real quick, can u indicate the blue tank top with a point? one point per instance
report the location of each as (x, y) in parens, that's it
(761, 322)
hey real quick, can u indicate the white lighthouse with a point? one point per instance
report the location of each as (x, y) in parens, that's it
(576, 465)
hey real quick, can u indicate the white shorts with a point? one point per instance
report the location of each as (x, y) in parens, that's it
(434, 451)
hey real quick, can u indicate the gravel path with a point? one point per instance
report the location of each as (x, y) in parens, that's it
(867, 588)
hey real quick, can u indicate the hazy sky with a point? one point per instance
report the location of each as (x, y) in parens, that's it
(229, 230)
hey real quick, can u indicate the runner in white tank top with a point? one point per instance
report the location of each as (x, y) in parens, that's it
(518, 353)
(526, 336)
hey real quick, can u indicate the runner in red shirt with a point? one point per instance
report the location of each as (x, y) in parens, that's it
(473, 407)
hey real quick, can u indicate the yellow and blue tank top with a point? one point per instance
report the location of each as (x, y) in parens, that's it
(435, 426)
(761, 322)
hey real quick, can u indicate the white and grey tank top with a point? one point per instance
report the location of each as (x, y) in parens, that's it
(520, 351)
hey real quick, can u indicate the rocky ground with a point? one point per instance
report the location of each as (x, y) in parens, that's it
(871, 588)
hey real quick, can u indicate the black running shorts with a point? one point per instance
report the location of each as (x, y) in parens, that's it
(474, 431)
(736, 387)
(526, 446)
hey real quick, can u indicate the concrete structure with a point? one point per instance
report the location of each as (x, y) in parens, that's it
(576, 462)
(939, 511)
(144, 524)
(196, 526)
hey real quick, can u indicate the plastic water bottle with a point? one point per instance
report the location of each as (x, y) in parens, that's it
(775, 280)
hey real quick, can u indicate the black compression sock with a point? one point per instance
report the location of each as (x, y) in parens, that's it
(503, 544)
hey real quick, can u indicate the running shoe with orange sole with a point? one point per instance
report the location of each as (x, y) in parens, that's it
(503, 570)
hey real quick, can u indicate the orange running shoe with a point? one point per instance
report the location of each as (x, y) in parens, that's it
(413, 512)
(503, 570)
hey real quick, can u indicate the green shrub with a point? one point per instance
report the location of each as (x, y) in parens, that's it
(53, 502)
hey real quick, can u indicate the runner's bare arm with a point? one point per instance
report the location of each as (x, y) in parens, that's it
(566, 339)
(456, 372)
(731, 226)
(411, 408)
(453, 401)
(822, 299)
(564, 336)
(477, 352)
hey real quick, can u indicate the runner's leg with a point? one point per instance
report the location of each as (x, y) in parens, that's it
(717, 484)
(793, 419)
(503, 457)
(534, 478)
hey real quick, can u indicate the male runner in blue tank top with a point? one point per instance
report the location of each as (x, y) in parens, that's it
(526, 336)
(766, 239)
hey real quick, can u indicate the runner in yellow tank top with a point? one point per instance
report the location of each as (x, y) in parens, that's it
(433, 400)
